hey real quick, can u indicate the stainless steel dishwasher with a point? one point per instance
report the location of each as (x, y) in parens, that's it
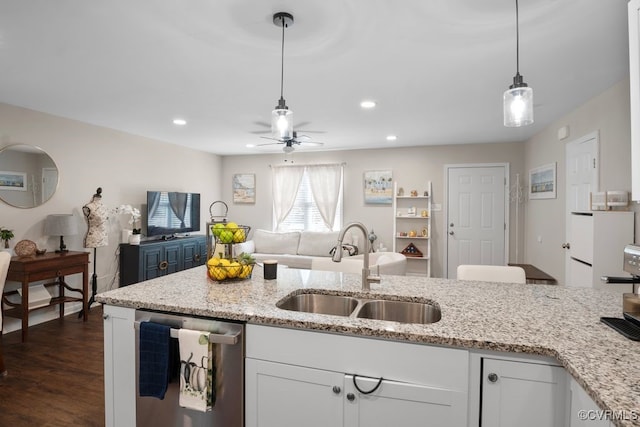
(228, 410)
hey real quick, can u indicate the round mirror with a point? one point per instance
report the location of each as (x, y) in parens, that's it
(28, 176)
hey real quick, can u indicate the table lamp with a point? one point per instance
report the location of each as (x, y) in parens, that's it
(60, 225)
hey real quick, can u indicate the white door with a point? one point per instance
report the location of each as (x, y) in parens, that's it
(581, 177)
(281, 395)
(522, 394)
(476, 216)
(402, 404)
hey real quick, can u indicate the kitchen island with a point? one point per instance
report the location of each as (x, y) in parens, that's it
(538, 320)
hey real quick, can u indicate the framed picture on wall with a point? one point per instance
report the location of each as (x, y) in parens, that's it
(378, 187)
(542, 182)
(244, 188)
(13, 181)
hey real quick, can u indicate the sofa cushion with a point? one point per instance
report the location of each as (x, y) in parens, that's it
(317, 243)
(276, 243)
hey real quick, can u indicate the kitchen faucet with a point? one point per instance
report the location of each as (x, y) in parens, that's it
(367, 277)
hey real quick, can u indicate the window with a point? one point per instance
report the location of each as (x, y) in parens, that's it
(305, 214)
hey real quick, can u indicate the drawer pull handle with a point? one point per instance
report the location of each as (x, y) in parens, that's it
(58, 273)
(492, 377)
(163, 265)
(198, 257)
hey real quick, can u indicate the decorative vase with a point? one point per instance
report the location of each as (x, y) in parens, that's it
(134, 239)
(125, 236)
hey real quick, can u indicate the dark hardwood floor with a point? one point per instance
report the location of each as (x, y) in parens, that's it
(56, 377)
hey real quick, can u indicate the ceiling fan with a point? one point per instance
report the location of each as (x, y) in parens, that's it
(289, 144)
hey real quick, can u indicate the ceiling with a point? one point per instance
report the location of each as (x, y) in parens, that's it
(436, 69)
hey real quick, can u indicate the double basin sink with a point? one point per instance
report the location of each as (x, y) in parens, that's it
(362, 308)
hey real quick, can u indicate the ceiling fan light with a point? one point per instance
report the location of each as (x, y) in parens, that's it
(282, 124)
(518, 106)
(288, 149)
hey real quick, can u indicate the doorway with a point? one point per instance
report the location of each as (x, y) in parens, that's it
(582, 177)
(477, 215)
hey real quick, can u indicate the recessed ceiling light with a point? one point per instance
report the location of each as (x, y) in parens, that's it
(250, 145)
(391, 137)
(179, 122)
(368, 104)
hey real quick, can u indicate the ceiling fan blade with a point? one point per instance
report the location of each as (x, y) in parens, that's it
(312, 131)
(275, 139)
(312, 143)
(269, 143)
(258, 132)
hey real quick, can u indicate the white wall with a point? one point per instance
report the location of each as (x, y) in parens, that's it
(88, 156)
(411, 167)
(607, 113)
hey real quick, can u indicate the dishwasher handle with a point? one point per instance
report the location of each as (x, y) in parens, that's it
(229, 338)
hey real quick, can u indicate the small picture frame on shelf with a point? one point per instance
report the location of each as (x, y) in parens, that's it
(411, 211)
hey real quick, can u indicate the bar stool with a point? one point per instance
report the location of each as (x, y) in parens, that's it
(492, 273)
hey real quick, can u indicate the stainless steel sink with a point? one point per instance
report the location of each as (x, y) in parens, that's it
(363, 308)
(400, 311)
(318, 303)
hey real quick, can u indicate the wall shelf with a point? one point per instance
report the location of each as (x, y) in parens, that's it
(403, 221)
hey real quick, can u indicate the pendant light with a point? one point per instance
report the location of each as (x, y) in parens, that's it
(281, 116)
(518, 99)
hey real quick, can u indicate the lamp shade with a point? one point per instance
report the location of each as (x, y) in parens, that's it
(282, 124)
(518, 106)
(60, 225)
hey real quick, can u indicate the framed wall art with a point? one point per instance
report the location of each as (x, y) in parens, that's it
(244, 188)
(542, 182)
(378, 187)
(13, 181)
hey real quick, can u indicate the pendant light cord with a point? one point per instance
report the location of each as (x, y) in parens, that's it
(517, 41)
(282, 61)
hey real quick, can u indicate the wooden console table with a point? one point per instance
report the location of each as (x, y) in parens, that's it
(535, 275)
(35, 268)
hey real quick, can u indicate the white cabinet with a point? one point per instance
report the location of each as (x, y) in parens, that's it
(584, 412)
(523, 394)
(597, 242)
(412, 228)
(400, 404)
(296, 378)
(634, 83)
(284, 395)
(119, 366)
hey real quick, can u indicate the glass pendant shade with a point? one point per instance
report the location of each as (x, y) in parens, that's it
(282, 124)
(518, 106)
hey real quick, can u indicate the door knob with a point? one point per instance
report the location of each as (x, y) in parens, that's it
(451, 233)
(566, 245)
(336, 389)
(492, 377)
(351, 397)
(451, 225)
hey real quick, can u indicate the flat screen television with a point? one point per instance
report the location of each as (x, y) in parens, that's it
(171, 212)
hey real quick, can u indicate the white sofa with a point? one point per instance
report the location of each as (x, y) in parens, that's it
(295, 249)
(312, 250)
(379, 263)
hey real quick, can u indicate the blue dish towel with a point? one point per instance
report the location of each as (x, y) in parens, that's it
(153, 374)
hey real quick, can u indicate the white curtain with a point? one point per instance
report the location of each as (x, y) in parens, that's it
(325, 187)
(286, 182)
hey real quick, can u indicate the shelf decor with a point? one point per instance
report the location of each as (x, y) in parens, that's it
(412, 251)
(378, 187)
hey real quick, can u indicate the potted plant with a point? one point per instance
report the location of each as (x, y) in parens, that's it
(6, 235)
(134, 238)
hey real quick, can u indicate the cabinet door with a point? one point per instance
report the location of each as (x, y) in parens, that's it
(584, 412)
(402, 404)
(190, 254)
(522, 394)
(280, 395)
(150, 259)
(119, 368)
(172, 255)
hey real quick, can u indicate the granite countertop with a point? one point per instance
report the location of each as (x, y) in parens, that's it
(555, 321)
